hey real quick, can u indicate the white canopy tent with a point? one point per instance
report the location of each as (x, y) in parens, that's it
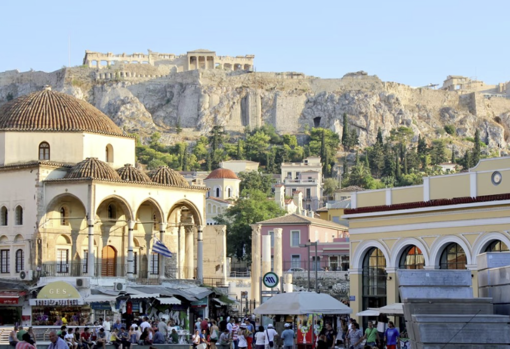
(300, 303)
(369, 312)
(390, 309)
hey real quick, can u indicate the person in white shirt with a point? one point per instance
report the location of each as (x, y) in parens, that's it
(270, 334)
(145, 324)
(107, 328)
(260, 338)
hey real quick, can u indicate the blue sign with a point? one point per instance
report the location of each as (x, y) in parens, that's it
(352, 298)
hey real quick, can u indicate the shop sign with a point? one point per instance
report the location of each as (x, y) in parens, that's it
(100, 306)
(56, 302)
(58, 290)
(135, 307)
(9, 300)
(201, 303)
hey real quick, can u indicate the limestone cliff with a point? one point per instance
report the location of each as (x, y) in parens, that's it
(142, 100)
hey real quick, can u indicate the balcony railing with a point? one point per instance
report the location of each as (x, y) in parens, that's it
(299, 181)
(104, 269)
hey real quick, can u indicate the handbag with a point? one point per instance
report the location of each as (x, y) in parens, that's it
(271, 343)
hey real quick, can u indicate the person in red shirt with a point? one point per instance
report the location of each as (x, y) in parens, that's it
(85, 339)
(204, 326)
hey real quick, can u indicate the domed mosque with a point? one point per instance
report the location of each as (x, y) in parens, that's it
(65, 170)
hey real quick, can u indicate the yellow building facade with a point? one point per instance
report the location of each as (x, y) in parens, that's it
(443, 224)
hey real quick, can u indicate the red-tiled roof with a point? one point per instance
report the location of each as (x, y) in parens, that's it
(220, 173)
(431, 203)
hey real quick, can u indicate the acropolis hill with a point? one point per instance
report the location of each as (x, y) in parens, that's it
(156, 91)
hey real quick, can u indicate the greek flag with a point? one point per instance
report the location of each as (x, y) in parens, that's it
(160, 248)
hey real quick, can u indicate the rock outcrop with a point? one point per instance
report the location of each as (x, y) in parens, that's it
(198, 100)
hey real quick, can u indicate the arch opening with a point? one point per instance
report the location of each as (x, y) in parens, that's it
(453, 257)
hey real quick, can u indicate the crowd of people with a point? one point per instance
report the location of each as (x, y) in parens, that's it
(220, 333)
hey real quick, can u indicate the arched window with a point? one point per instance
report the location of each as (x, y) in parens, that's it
(19, 260)
(19, 215)
(109, 153)
(453, 257)
(229, 192)
(496, 246)
(412, 258)
(374, 279)
(44, 151)
(218, 192)
(111, 212)
(4, 214)
(63, 216)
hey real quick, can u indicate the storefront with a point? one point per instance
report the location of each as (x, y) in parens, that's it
(11, 303)
(57, 300)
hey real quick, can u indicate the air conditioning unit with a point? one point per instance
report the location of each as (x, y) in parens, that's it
(27, 275)
(82, 282)
(119, 286)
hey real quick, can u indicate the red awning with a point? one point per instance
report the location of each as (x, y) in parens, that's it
(11, 297)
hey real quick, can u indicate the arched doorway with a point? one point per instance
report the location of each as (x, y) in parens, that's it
(109, 261)
(412, 258)
(496, 246)
(374, 279)
(453, 257)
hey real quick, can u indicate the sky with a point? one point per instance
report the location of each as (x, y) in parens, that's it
(410, 42)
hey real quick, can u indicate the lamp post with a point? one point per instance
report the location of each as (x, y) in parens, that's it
(315, 264)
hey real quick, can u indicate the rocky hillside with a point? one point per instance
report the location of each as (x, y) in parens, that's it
(141, 99)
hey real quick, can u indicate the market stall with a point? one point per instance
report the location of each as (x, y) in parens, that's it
(307, 311)
(57, 300)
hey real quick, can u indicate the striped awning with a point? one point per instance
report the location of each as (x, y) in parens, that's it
(168, 300)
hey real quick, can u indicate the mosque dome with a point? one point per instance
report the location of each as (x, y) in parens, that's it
(167, 176)
(222, 173)
(48, 110)
(92, 168)
(132, 174)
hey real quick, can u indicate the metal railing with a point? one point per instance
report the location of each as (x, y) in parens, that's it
(322, 265)
(100, 269)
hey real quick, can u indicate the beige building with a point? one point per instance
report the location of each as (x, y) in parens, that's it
(306, 177)
(240, 165)
(73, 208)
(464, 84)
(443, 224)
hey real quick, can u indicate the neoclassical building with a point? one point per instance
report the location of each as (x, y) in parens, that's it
(72, 205)
(443, 224)
(223, 187)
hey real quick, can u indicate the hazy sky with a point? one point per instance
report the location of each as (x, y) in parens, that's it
(411, 42)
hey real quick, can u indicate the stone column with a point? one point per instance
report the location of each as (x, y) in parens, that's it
(91, 260)
(131, 255)
(221, 230)
(287, 283)
(266, 256)
(391, 286)
(200, 254)
(474, 277)
(356, 289)
(255, 262)
(180, 251)
(162, 230)
(278, 253)
(190, 252)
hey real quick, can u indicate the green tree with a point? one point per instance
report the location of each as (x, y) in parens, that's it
(476, 149)
(253, 207)
(240, 152)
(379, 139)
(401, 135)
(330, 185)
(360, 176)
(345, 132)
(254, 180)
(450, 129)
(256, 146)
(376, 159)
(422, 147)
(155, 164)
(438, 152)
(216, 137)
(353, 139)
(208, 162)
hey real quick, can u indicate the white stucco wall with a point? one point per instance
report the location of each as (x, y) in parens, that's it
(66, 147)
(18, 188)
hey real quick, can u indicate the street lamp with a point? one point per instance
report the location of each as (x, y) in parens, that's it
(316, 271)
